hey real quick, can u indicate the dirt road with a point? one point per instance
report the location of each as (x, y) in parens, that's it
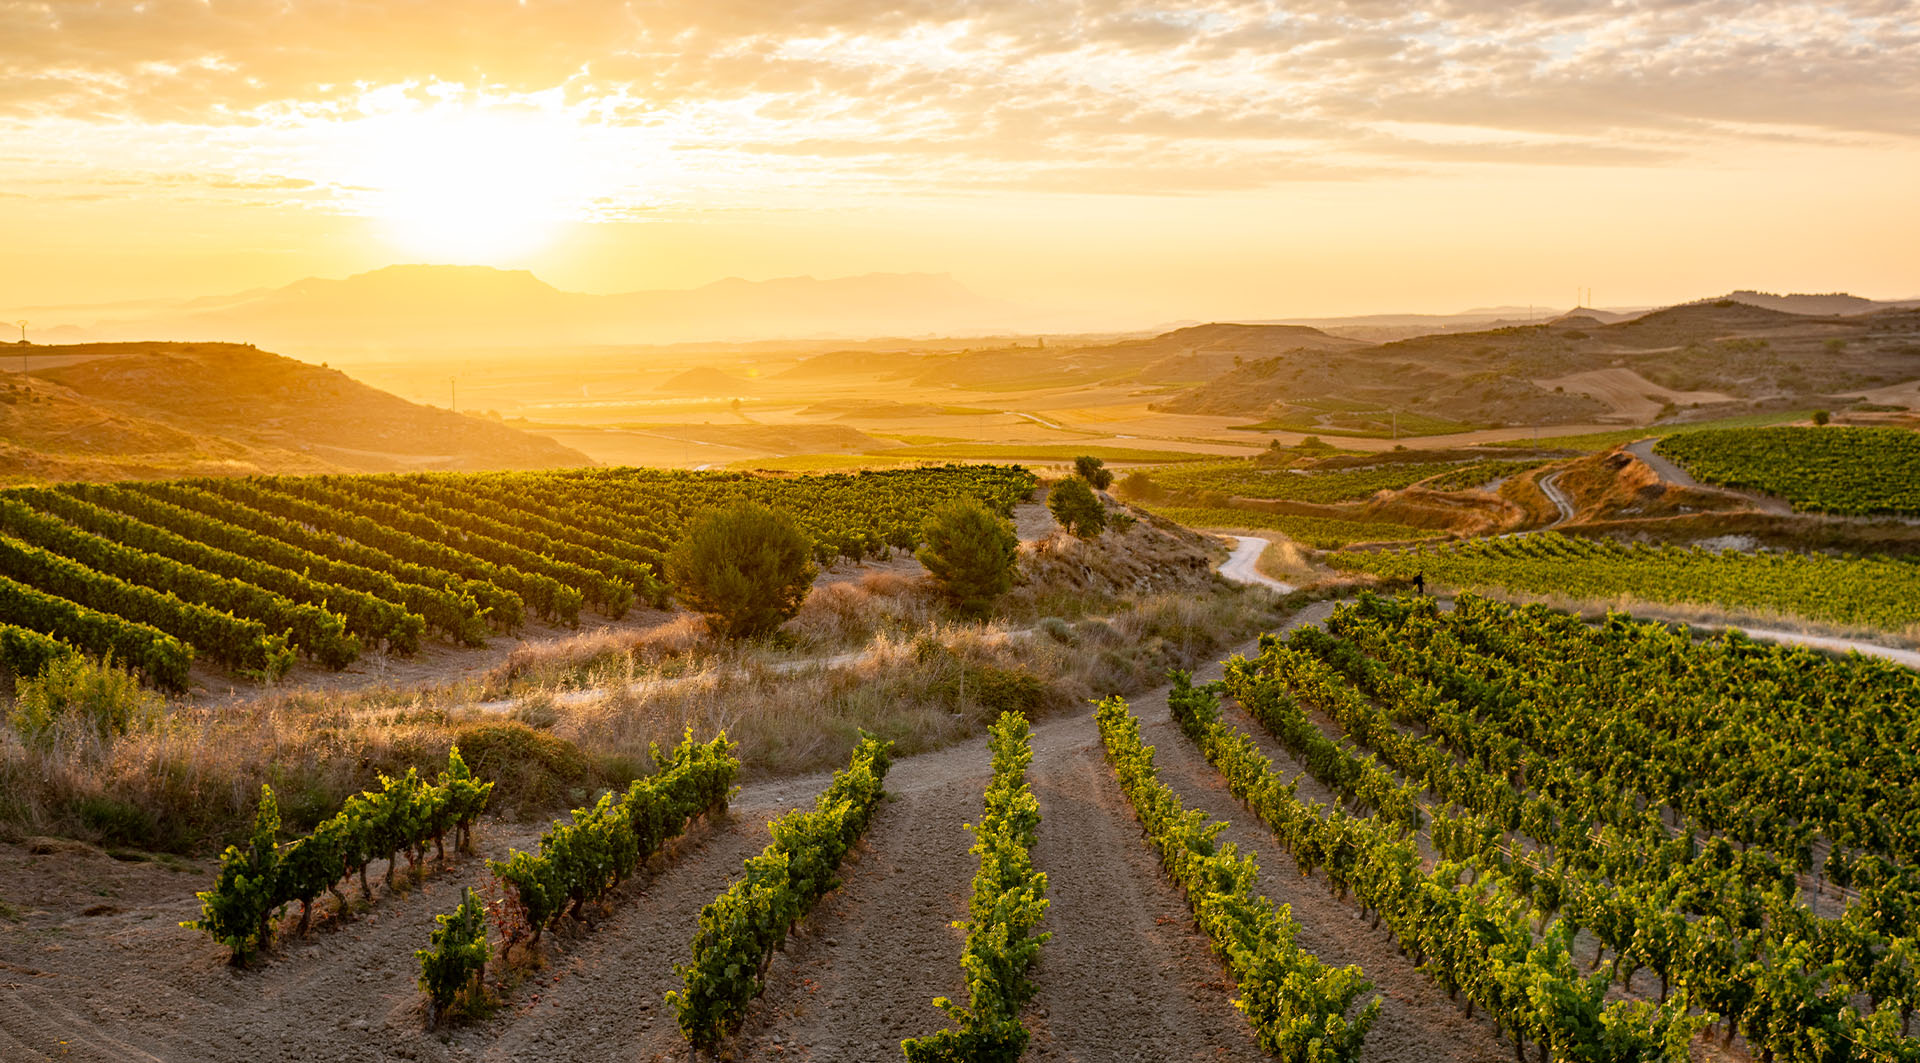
(1670, 471)
(1243, 565)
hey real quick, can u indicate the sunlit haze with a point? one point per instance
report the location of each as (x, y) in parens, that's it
(1115, 163)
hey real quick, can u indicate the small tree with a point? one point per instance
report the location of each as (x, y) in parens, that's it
(1094, 471)
(971, 551)
(1821, 417)
(1073, 504)
(745, 568)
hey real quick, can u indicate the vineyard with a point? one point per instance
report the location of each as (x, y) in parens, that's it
(1461, 828)
(1252, 478)
(253, 573)
(1846, 471)
(1870, 592)
(1619, 788)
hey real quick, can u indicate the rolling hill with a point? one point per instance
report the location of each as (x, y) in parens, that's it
(144, 410)
(1749, 355)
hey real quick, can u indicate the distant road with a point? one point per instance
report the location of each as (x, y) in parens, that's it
(1550, 486)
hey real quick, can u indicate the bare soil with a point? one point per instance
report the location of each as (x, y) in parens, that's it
(95, 966)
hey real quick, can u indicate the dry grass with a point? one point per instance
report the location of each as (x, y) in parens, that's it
(923, 691)
(878, 655)
(1289, 562)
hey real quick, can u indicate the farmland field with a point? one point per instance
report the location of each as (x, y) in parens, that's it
(1868, 592)
(1847, 471)
(251, 572)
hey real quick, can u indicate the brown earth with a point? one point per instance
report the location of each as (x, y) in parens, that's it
(1125, 976)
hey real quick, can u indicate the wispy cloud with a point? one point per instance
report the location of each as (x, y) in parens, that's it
(1082, 95)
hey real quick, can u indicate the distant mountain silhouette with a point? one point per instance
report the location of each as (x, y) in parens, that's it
(424, 306)
(1828, 305)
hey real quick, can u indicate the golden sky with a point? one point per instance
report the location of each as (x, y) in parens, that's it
(1127, 161)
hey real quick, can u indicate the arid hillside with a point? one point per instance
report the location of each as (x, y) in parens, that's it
(1724, 355)
(143, 410)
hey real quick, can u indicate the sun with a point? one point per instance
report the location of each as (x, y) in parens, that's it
(472, 186)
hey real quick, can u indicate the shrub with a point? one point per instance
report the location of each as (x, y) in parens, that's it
(1137, 486)
(1821, 417)
(456, 964)
(238, 911)
(1073, 504)
(532, 769)
(745, 568)
(971, 551)
(1094, 471)
(94, 694)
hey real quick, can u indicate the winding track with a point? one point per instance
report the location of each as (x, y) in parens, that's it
(1243, 566)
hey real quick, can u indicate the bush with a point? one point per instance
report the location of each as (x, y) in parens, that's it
(1094, 471)
(1073, 504)
(457, 962)
(971, 551)
(1821, 417)
(93, 694)
(532, 769)
(239, 910)
(745, 568)
(1137, 486)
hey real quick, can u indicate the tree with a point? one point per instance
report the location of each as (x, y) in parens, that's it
(1821, 417)
(1094, 471)
(1073, 504)
(971, 551)
(746, 568)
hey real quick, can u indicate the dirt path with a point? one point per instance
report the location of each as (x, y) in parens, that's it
(1550, 486)
(863, 974)
(1126, 976)
(1243, 566)
(1670, 471)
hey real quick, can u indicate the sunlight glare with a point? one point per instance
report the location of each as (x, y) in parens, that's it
(464, 185)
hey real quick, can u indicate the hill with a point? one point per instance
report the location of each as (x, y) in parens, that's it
(705, 380)
(143, 410)
(1185, 355)
(1748, 355)
(875, 364)
(1833, 304)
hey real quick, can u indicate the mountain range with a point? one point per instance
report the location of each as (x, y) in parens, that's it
(421, 307)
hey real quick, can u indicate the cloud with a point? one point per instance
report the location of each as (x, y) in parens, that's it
(1094, 95)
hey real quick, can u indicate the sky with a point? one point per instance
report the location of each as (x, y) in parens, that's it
(1120, 161)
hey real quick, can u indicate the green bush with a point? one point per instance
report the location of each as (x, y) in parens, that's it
(581, 860)
(82, 692)
(742, 927)
(1073, 504)
(745, 568)
(1009, 900)
(239, 910)
(971, 551)
(456, 964)
(1094, 471)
